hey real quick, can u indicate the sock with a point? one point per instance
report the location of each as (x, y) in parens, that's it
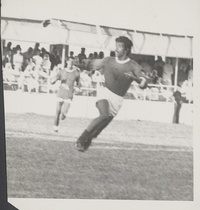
(99, 129)
(55, 128)
(84, 140)
(84, 136)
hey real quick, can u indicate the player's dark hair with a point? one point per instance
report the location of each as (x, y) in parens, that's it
(127, 43)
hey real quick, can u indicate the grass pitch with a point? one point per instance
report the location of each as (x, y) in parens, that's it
(132, 160)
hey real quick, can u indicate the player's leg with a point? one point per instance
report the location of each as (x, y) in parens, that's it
(84, 140)
(102, 121)
(178, 112)
(65, 108)
(103, 124)
(101, 127)
(103, 107)
(57, 115)
(97, 131)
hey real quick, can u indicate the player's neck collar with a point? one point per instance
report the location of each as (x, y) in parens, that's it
(122, 61)
(70, 70)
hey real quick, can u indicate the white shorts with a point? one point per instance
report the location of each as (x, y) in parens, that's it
(115, 101)
(68, 100)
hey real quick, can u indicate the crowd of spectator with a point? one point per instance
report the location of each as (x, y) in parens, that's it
(36, 65)
(162, 74)
(32, 67)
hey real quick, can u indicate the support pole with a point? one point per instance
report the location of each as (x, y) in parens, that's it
(100, 37)
(63, 56)
(176, 75)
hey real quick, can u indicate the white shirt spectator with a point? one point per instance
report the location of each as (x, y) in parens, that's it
(38, 61)
(97, 77)
(18, 61)
(85, 79)
(46, 64)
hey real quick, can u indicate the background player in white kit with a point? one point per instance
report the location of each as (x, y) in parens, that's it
(119, 72)
(68, 76)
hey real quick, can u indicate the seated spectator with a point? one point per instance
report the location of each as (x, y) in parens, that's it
(46, 64)
(154, 91)
(154, 77)
(33, 79)
(97, 79)
(9, 74)
(37, 59)
(85, 81)
(7, 58)
(136, 91)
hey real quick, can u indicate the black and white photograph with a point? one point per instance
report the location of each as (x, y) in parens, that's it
(98, 104)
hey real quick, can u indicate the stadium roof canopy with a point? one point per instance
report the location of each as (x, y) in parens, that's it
(56, 31)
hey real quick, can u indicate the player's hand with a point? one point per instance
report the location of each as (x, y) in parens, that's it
(143, 83)
(78, 90)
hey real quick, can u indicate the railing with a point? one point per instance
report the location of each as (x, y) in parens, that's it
(163, 90)
(153, 92)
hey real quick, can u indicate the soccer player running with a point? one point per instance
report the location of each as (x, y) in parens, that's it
(68, 76)
(119, 72)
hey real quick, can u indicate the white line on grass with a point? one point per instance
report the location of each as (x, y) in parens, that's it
(135, 147)
(147, 148)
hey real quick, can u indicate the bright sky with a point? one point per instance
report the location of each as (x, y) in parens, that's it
(164, 16)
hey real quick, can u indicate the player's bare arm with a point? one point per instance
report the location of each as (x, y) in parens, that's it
(92, 65)
(54, 79)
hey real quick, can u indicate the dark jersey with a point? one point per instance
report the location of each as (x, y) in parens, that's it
(118, 74)
(68, 78)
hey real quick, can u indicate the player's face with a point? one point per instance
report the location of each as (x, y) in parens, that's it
(120, 50)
